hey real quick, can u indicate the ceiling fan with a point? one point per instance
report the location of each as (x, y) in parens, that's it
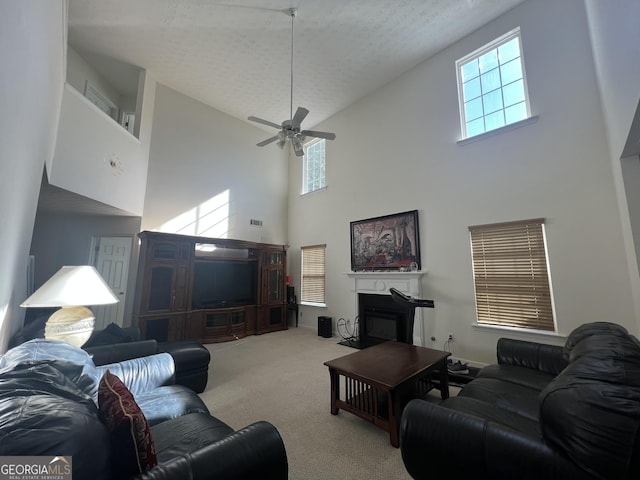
(291, 129)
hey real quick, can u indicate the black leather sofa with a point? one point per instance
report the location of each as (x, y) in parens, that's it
(542, 412)
(191, 358)
(49, 407)
(115, 343)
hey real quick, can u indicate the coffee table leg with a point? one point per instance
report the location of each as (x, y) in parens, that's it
(335, 390)
(444, 381)
(394, 417)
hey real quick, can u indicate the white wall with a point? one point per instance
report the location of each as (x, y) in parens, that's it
(199, 153)
(31, 84)
(87, 144)
(616, 39)
(396, 150)
(79, 72)
(66, 239)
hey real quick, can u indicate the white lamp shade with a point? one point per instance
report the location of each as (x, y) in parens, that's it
(72, 286)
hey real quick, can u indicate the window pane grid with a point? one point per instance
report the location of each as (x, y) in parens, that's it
(491, 80)
(314, 167)
(511, 276)
(313, 274)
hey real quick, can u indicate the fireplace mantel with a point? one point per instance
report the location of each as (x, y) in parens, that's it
(379, 283)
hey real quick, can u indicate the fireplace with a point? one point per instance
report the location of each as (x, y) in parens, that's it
(383, 317)
(380, 319)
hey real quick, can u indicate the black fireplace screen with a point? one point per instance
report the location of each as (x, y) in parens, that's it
(380, 319)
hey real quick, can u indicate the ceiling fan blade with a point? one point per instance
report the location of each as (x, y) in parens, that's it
(297, 146)
(299, 116)
(268, 141)
(311, 133)
(264, 122)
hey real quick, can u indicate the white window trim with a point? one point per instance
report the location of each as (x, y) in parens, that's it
(498, 131)
(304, 168)
(476, 53)
(542, 334)
(313, 304)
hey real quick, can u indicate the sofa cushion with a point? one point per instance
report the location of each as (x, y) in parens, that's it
(110, 335)
(183, 435)
(486, 411)
(131, 439)
(171, 401)
(505, 395)
(527, 377)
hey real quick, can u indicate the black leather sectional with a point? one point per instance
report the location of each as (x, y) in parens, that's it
(49, 407)
(542, 412)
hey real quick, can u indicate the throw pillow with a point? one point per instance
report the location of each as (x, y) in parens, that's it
(132, 447)
(111, 334)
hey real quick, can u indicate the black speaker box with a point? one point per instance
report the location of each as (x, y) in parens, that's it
(291, 294)
(324, 327)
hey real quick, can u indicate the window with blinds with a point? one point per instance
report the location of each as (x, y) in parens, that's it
(313, 275)
(511, 276)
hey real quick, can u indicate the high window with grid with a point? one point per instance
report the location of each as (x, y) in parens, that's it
(313, 168)
(492, 87)
(511, 275)
(313, 275)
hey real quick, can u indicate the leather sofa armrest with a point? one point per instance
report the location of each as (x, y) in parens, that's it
(537, 356)
(436, 441)
(118, 352)
(256, 451)
(143, 374)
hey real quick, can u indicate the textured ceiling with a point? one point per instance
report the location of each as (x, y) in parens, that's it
(235, 55)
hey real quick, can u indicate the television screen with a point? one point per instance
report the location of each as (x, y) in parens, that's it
(224, 284)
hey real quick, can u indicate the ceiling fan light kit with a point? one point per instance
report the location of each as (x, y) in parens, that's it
(291, 129)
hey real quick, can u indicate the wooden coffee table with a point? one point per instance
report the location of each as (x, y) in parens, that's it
(380, 380)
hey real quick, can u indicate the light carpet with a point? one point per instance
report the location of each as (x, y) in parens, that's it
(280, 377)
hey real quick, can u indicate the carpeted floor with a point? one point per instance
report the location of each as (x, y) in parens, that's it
(280, 377)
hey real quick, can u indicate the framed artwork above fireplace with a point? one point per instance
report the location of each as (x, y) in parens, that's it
(391, 242)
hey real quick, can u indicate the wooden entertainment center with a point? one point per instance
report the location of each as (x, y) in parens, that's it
(208, 289)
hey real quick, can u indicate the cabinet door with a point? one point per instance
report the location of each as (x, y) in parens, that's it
(168, 266)
(272, 319)
(162, 328)
(275, 287)
(273, 282)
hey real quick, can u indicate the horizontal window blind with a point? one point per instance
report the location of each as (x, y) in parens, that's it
(510, 275)
(313, 274)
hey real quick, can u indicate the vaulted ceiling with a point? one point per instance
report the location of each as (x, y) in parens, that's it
(234, 55)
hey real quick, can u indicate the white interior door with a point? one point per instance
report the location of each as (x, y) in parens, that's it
(112, 258)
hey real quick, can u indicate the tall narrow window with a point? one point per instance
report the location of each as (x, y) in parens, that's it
(492, 87)
(511, 275)
(313, 168)
(313, 275)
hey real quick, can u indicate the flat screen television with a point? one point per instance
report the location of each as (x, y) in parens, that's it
(218, 284)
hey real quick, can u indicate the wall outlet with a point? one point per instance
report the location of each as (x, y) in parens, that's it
(450, 338)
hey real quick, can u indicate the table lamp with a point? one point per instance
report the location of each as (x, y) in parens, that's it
(71, 288)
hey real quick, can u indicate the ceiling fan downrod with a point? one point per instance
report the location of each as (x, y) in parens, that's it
(291, 129)
(292, 13)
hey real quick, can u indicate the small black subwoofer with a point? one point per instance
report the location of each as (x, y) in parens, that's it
(324, 327)
(291, 294)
